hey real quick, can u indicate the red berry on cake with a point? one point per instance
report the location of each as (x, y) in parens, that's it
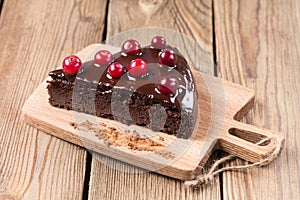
(137, 68)
(71, 65)
(103, 57)
(168, 85)
(158, 42)
(131, 47)
(167, 57)
(116, 70)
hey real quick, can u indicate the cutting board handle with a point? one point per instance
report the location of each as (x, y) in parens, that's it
(241, 140)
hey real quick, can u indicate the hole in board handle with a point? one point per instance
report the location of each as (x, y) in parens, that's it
(248, 136)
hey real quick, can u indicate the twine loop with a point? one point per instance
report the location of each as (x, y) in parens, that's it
(203, 179)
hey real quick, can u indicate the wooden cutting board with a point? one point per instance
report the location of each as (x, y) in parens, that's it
(221, 105)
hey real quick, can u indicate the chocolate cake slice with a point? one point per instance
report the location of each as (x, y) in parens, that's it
(150, 86)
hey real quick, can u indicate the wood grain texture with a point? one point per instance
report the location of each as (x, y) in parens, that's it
(258, 46)
(112, 179)
(110, 183)
(191, 18)
(34, 37)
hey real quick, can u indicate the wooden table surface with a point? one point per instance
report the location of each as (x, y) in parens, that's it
(254, 43)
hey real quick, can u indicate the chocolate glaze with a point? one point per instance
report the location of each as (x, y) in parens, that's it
(183, 99)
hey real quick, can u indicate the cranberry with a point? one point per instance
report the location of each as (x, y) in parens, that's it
(158, 42)
(103, 57)
(131, 47)
(167, 57)
(137, 68)
(116, 70)
(168, 85)
(71, 64)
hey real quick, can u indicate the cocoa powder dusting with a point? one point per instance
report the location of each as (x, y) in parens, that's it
(131, 140)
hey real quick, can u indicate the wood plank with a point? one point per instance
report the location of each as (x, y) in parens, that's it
(190, 21)
(193, 18)
(112, 179)
(35, 36)
(258, 46)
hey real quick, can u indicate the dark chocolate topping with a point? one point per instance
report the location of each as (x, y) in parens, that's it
(184, 98)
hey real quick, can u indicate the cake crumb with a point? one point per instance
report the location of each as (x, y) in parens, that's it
(161, 138)
(129, 139)
(73, 124)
